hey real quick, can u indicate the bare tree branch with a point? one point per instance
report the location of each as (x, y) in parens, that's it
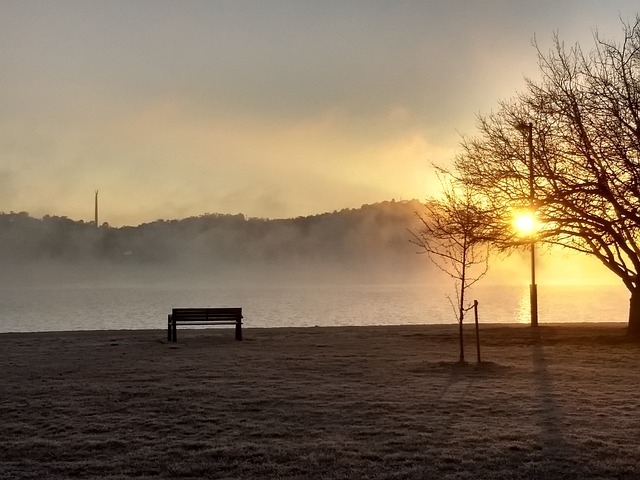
(456, 232)
(585, 117)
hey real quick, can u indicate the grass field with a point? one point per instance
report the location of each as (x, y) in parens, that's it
(327, 403)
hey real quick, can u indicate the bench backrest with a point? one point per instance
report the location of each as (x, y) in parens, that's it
(206, 314)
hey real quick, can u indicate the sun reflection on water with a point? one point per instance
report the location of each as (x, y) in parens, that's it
(523, 310)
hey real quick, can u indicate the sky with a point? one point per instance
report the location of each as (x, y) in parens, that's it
(270, 108)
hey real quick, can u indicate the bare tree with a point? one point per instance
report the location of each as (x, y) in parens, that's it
(455, 234)
(584, 114)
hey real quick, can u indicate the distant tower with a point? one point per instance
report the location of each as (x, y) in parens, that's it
(96, 212)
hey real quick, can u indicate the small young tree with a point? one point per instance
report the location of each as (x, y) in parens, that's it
(455, 234)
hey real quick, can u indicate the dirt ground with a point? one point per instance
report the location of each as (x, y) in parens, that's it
(327, 403)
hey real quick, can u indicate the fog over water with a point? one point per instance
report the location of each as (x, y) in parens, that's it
(353, 267)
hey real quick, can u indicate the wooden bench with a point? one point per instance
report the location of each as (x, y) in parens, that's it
(204, 316)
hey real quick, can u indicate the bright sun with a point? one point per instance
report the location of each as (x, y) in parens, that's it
(525, 222)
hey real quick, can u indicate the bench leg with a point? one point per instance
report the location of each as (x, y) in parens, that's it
(175, 332)
(238, 331)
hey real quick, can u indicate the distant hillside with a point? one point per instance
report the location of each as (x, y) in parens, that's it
(351, 238)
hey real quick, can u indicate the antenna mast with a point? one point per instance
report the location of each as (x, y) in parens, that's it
(96, 209)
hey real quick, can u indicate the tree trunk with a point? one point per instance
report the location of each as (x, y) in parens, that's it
(460, 319)
(633, 329)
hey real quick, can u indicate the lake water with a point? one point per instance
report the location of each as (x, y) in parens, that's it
(95, 307)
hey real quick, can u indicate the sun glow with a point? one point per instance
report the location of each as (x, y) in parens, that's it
(525, 223)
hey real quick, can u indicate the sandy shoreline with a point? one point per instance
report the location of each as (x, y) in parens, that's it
(328, 402)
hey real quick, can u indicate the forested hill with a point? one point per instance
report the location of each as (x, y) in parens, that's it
(372, 234)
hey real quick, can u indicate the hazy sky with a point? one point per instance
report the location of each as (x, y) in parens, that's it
(269, 108)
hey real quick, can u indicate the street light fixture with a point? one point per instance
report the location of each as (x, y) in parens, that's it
(527, 129)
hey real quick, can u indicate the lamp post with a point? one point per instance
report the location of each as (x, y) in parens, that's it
(527, 129)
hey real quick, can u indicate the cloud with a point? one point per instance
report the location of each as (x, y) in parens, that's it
(275, 109)
(190, 161)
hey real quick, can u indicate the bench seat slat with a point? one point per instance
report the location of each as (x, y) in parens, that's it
(209, 319)
(196, 322)
(207, 309)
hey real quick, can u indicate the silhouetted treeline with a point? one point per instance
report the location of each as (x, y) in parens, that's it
(372, 234)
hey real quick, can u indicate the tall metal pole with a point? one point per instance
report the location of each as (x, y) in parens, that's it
(533, 288)
(527, 129)
(96, 209)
